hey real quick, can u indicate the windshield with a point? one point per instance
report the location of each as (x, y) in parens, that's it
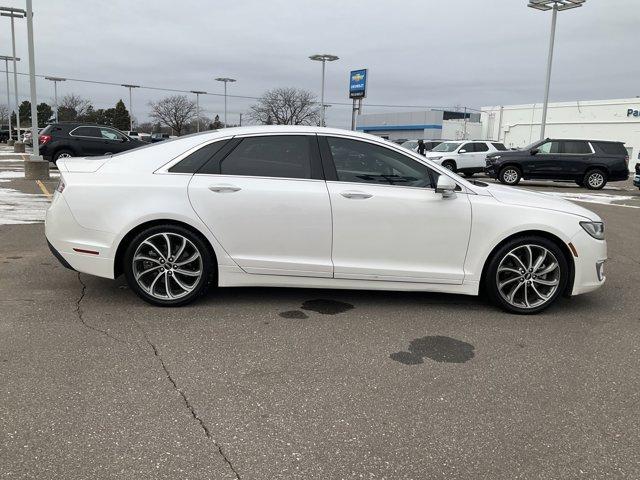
(533, 145)
(446, 147)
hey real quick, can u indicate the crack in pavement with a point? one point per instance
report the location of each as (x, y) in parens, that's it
(80, 315)
(186, 401)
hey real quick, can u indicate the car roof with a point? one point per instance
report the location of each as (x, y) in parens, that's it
(581, 140)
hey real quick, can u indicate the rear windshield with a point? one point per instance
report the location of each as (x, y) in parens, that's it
(499, 146)
(610, 148)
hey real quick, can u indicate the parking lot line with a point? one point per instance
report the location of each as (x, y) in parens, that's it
(44, 188)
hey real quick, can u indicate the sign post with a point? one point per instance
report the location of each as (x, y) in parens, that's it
(357, 91)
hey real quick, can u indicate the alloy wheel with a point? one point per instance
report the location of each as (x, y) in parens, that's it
(167, 266)
(528, 276)
(510, 175)
(64, 155)
(595, 180)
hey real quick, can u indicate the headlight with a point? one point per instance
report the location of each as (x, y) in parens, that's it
(595, 229)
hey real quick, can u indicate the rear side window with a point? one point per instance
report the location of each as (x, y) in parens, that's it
(575, 147)
(499, 146)
(610, 148)
(193, 162)
(285, 156)
(86, 132)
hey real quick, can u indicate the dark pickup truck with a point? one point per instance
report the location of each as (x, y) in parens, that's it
(589, 163)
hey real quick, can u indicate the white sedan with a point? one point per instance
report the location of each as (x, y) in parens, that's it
(315, 208)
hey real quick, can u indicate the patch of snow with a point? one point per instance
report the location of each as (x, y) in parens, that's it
(8, 175)
(602, 198)
(19, 208)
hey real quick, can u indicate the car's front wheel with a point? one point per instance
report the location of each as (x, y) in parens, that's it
(527, 274)
(510, 175)
(168, 265)
(449, 165)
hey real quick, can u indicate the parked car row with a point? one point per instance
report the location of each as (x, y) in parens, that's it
(73, 139)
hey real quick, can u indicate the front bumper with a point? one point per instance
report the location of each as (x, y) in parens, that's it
(491, 171)
(636, 180)
(589, 264)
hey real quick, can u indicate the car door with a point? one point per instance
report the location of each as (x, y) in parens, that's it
(86, 141)
(573, 159)
(466, 154)
(267, 204)
(388, 221)
(112, 140)
(545, 163)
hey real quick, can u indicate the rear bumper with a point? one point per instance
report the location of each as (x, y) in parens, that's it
(71, 243)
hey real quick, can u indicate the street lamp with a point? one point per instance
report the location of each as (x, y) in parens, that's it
(198, 93)
(14, 13)
(6, 69)
(556, 6)
(324, 58)
(225, 80)
(55, 81)
(130, 87)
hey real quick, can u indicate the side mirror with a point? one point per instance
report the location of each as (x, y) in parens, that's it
(462, 151)
(534, 151)
(446, 186)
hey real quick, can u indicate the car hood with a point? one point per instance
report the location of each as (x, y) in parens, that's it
(529, 198)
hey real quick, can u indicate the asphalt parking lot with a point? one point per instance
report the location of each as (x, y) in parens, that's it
(264, 383)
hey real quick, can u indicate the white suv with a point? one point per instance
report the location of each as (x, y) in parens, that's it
(466, 157)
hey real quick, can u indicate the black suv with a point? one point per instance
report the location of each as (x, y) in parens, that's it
(68, 139)
(589, 163)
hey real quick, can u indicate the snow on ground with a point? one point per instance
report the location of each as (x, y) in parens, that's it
(8, 175)
(602, 198)
(18, 207)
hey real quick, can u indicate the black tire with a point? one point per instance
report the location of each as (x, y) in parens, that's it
(490, 279)
(62, 153)
(206, 266)
(510, 175)
(595, 179)
(450, 165)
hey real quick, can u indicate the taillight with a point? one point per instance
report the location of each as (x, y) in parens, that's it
(42, 139)
(61, 185)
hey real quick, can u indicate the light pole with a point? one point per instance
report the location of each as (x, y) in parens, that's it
(130, 87)
(324, 58)
(55, 81)
(6, 69)
(14, 13)
(198, 93)
(556, 6)
(225, 80)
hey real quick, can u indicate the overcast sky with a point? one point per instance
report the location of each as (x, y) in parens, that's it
(419, 52)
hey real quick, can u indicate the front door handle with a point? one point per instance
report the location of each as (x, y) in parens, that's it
(356, 195)
(224, 188)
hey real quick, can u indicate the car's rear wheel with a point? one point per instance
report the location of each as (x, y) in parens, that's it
(595, 179)
(527, 274)
(510, 175)
(62, 154)
(449, 165)
(168, 265)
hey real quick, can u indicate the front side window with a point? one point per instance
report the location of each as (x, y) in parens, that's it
(575, 147)
(109, 134)
(446, 147)
(549, 147)
(480, 147)
(286, 156)
(362, 162)
(467, 147)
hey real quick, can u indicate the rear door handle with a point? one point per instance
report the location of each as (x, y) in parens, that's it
(356, 195)
(224, 188)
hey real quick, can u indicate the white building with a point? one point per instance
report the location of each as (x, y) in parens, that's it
(519, 125)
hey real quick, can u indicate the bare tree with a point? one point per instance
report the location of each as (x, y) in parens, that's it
(286, 106)
(175, 112)
(72, 107)
(4, 115)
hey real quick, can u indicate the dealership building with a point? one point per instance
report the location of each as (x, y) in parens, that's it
(519, 125)
(425, 124)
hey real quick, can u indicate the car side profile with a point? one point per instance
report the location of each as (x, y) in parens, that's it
(317, 208)
(466, 157)
(71, 139)
(588, 163)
